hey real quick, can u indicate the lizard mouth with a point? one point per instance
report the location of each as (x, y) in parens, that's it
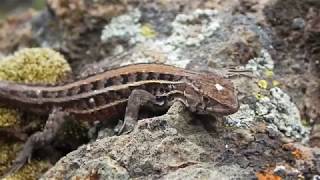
(222, 110)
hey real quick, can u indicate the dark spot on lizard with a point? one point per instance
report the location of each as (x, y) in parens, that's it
(125, 78)
(108, 83)
(73, 91)
(86, 88)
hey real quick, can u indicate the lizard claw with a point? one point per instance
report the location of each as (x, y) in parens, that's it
(124, 128)
(118, 127)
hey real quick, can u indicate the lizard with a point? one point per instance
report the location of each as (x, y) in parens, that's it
(116, 94)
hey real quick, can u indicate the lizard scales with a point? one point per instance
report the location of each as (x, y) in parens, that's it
(105, 95)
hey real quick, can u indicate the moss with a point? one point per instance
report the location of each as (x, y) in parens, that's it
(8, 117)
(31, 65)
(7, 152)
(29, 171)
(34, 65)
(38, 4)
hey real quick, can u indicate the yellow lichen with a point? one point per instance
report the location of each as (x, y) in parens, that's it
(275, 83)
(148, 31)
(269, 73)
(263, 84)
(34, 65)
(259, 96)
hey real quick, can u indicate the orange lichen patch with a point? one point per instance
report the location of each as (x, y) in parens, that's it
(267, 176)
(297, 153)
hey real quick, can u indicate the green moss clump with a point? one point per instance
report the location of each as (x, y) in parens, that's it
(29, 171)
(7, 152)
(34, 65)
(8, 117)
(31, 65)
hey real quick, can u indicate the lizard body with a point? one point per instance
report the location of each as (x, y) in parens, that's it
(116, 93)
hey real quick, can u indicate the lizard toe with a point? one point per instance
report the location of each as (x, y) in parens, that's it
(126, 128)
(118, 128)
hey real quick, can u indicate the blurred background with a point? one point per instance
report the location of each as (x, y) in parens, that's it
(8, 7)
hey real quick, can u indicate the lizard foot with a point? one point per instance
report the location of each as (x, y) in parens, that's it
(39, 139)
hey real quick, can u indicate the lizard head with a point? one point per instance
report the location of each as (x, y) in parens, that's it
(211, 95)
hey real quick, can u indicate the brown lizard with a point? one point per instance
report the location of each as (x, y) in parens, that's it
(116, 93)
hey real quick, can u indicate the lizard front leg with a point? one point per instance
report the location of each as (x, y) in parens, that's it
(39, 139)
(136, 100)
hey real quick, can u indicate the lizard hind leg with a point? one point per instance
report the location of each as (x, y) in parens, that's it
(137, 99)
(38, 140)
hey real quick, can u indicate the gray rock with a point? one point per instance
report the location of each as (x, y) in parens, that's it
(158, 147)
(281, 111)
(125, 27)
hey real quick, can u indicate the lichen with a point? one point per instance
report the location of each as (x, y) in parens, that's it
(263, 84)
(262, 65)
(188, 31)
(148, 31)
(193, 29)
(279, 110)
(125, 27)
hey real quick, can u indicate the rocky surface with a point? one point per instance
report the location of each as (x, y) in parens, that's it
(269, 137)
(176, 146)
